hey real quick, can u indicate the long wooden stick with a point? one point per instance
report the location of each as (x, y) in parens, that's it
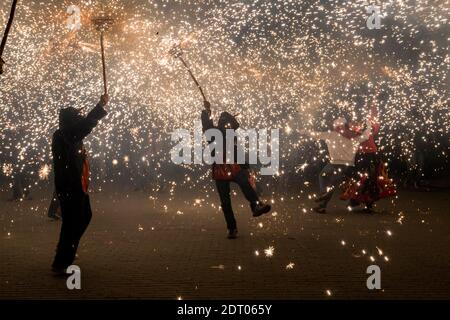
(5, 35)
(193, 78)
(105, 82)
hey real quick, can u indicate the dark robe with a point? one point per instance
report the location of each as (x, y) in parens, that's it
(241, 176)
(68, 160)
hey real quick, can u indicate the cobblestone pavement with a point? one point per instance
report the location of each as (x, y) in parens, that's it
(139, 247)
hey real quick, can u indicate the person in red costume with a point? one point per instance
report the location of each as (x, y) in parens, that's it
(371, 182)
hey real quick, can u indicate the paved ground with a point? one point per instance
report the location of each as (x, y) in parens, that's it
(137, 248)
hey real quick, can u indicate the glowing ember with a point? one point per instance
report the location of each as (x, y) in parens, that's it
(269, 251)
(44, 171)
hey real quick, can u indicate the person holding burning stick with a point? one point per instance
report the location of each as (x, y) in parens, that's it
(225, 173)
(370, 182)
(71, 169)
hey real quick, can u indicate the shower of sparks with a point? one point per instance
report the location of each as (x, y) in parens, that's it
(282, 63)
(293, 65)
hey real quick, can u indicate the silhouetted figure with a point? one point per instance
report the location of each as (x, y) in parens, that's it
(224, 173)
(370, 182)
(71, 169)
(342, 150)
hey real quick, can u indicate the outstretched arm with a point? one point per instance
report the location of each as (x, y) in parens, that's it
(85, 126)
(317, 135)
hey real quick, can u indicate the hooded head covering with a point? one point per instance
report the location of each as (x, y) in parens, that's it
(68, 117)
(339, 123)
(2, 62)
(227, 121)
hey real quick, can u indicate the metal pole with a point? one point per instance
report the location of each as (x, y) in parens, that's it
(193, 78)
(5, 36)
(105, 83)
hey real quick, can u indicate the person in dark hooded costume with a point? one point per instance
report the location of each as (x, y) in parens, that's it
(224, 173)
(71, 169)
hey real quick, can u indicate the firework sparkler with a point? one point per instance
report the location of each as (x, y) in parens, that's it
(103, 23)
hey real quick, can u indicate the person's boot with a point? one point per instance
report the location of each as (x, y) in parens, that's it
(55, 217)
(259, 209)
(369, 208)
(320, 209)
(321, 197)
(353, 204)
(324, 196)
(57, 271)
(232, 233)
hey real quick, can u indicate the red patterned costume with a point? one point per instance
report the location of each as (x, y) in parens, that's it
(370, 182)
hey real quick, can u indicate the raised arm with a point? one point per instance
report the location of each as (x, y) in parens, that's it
(374, 118)
(317, 135)
(207, 122)
(366, 134)
(84, 127)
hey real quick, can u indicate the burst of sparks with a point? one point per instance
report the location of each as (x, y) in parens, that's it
(278, 63)
(269, 251)
(44, 171)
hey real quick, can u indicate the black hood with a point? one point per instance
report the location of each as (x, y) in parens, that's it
(68, 117)
(227, 121)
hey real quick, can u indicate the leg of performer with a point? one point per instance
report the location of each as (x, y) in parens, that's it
(243, 180)
(223, 187)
